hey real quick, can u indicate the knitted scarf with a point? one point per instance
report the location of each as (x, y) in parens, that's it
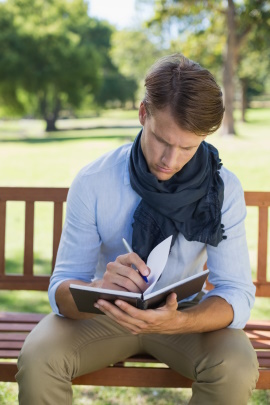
(190, 202)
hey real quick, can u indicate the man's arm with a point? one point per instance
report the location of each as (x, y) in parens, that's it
(212, 314)
(119, 276)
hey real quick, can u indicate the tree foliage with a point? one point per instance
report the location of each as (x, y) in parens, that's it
(204, 23)
(52, 55)
(133, 52)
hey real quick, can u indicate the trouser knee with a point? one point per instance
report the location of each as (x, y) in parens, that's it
(41, 356)
(231, 367)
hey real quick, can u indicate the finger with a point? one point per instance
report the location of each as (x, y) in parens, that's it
(132, 328)
(124, 276)
(133, 312)
(118, 314)
(171, 302)
(135, 260)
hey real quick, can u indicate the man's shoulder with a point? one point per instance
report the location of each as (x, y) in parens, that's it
(229, 178)
(112, 161)
(233, 190)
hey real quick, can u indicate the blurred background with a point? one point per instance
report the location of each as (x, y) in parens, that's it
(71, 80)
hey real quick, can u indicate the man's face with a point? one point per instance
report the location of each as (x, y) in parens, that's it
(166, 146)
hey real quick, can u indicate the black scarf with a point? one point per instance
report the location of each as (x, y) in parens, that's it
(190, 202)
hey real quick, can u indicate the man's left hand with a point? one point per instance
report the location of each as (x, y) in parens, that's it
(164, 319)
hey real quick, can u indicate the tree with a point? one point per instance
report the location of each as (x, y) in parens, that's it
(237, 19)
(116, 88)
(133, 53)
(51, 51)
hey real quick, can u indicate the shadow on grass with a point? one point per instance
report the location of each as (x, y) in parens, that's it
(42, 266)
(65, 139)
(25, 301)
(57, 136)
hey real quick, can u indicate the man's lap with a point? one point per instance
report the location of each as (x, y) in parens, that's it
(88, 345)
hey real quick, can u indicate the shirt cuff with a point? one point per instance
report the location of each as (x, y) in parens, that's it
(51, 294)
(241, 306)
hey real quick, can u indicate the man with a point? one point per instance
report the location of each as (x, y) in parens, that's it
(169, 182)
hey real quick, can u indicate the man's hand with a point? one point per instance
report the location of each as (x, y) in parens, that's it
(212, 314)
(161, 320)
(120, 275)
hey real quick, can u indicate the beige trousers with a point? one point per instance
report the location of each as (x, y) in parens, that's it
(222, 364)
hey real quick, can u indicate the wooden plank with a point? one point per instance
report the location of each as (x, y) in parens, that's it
(33, 193)
(257, 198)
(262, 289)
(9, 354)
(262, 244)
(2, 236)
(29, 238)
(10, 345)
(258, 334)
(264, 362)
(264, 380)
(57, 229)
(8, 371)
(260, 344)
(258, 325)
(134, 377)
(262, 354)
(18, 327)
(20, 337)
(20, 317)
(19, 282)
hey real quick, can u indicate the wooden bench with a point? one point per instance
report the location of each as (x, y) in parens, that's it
(14, 327)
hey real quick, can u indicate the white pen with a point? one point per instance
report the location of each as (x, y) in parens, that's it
(129, 250)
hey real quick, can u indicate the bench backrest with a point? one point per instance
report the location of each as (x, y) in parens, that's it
(29, 281)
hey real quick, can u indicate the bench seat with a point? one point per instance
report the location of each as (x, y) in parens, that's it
(14, 327)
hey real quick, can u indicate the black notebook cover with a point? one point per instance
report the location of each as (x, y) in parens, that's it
(85, 297)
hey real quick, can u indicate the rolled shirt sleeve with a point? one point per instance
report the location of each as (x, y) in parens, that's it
(80, 242)
(229, 263)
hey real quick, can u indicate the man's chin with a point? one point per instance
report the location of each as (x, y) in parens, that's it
(161, 176)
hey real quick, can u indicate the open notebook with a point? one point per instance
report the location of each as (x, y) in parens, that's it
(85, 296)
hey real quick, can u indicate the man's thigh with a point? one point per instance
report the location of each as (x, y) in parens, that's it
(77, 347)
(192, 354)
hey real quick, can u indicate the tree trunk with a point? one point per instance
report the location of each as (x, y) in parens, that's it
(244, 100)
(52, 117)
(50, 124)
(228, 72)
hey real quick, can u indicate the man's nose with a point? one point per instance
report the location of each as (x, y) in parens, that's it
(170, 158)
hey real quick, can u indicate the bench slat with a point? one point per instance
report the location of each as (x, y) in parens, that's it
(260, 344)
(57, 228)
(18, 327)
(2, 236)
(262, 244)
(18, 282)
(263, 354)
(29, 238)
(258, 325)
(256, 334)
(20, 317)
(9, 354)
(12, 337)
(33, 194)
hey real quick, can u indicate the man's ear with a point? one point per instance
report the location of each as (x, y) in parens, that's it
(142, 113)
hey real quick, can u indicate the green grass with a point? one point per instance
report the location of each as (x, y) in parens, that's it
(30, 157)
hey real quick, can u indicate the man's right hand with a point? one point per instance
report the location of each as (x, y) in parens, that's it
(120, 275)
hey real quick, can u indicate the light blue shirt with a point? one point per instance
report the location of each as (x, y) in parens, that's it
(100, 208)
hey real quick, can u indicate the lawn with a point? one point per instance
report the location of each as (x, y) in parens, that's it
(30, 157)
